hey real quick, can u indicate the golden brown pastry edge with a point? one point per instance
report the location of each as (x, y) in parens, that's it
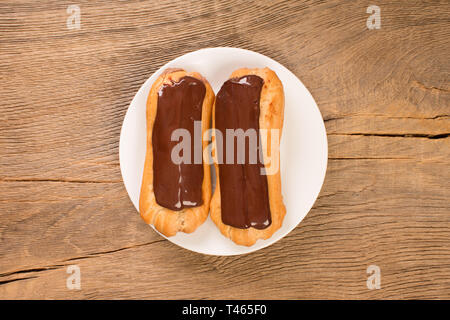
(166, 221)
(271, 117)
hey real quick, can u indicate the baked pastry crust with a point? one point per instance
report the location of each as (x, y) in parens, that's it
(271, 117)
(166, 221)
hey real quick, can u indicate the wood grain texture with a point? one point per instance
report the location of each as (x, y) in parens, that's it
(384, 95)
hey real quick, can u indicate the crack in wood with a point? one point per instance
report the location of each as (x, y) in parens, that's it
(14, 280)
(58, 266)
(367, 158)
(339, 117)
(332, 119)
(57, 180)
(401, 135)
(97, 254)
(430, 88)
(31, 270)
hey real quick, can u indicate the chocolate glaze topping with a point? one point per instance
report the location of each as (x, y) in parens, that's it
(243, 190)
(177, 186)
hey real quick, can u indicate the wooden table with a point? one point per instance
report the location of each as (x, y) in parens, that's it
(383, 93)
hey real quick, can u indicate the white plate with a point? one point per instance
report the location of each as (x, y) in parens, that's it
(303, 147)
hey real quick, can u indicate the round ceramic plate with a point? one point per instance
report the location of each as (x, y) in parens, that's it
(303, 149)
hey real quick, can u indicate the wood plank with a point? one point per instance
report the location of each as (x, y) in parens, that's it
(355, 225)
(384, 95)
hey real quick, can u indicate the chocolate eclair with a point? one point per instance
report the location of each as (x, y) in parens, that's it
(176, 184)
(247, 203)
